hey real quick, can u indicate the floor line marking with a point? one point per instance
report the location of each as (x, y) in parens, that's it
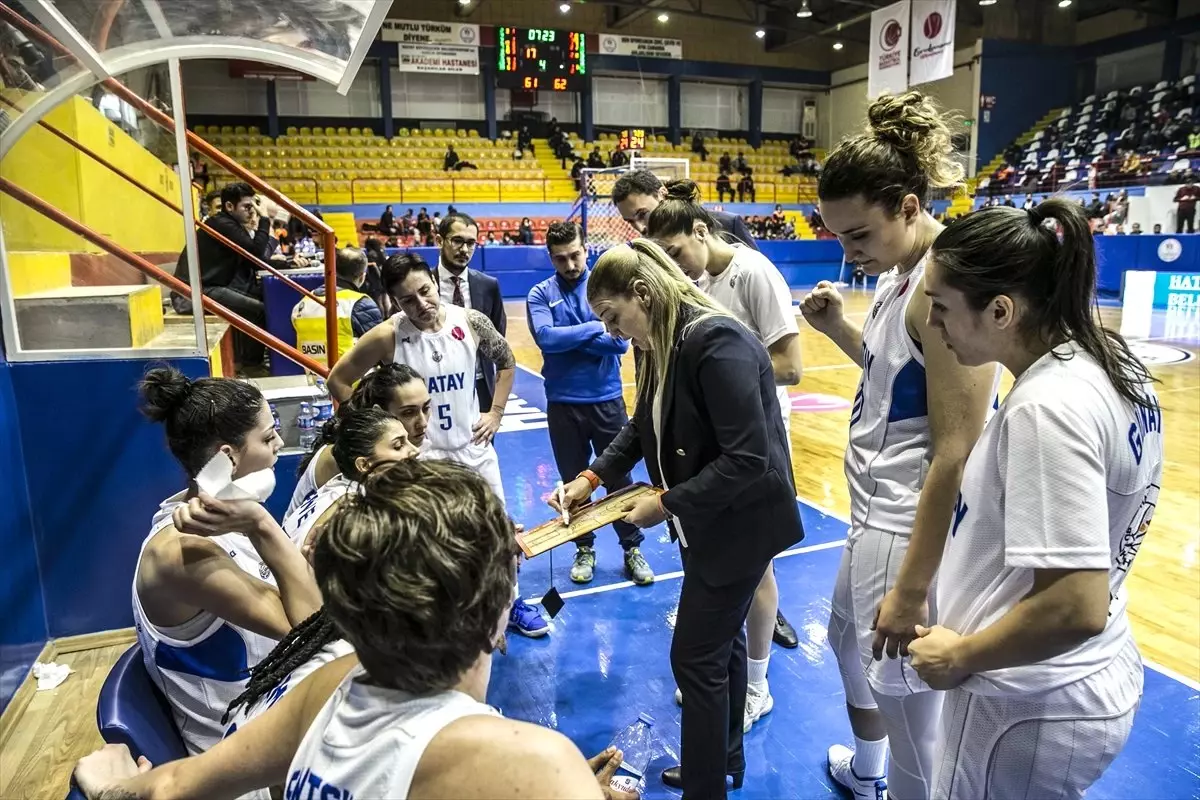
(1159, 668)
(670, 576)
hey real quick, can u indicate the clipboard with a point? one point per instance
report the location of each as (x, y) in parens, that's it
(584, 519)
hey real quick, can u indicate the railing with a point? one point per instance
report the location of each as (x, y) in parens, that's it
(1109, 174)
(215, 155)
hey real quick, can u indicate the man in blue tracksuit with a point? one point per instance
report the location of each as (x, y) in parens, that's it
(582, 369)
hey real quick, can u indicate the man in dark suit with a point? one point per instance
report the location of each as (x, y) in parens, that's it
(457, 237)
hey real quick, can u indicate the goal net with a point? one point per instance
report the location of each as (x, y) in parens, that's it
(597, 214)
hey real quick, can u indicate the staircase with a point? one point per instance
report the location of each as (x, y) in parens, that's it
(559, 186)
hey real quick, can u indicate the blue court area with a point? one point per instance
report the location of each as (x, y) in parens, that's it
(607, 658)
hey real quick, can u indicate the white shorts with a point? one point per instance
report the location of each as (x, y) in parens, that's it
(1050, 745)
(480, 457)
(870, 563)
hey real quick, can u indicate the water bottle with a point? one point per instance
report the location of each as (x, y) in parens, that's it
(275, 416)
(322, 405)
(637, 746)
(307, 427)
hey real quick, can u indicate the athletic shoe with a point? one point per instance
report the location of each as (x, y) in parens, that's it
(527, 620)
(785, 634)
(637, 568)
(585, 564)
(757, 706)
(841, 768)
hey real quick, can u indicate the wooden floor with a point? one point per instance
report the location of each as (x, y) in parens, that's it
(58, 726)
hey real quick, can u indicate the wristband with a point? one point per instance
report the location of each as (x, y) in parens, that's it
(592, 478)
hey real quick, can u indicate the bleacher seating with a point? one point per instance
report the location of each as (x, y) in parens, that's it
(1132, 137)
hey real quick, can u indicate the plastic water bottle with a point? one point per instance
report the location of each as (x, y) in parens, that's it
(638, 747)
(275, 416)
(323, 404)
(307, 427)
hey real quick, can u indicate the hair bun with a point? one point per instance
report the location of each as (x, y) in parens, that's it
(163, 390)
(683, 189)
(901, 119)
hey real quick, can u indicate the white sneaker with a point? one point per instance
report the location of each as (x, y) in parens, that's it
(758, 705)
(841, 768)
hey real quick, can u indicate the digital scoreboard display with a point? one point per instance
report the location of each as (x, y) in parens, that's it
(540, 59)
(632, 139)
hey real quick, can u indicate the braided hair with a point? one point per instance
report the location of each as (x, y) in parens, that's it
(300, 644)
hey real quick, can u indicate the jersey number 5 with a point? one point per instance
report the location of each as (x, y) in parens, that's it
(444, 421)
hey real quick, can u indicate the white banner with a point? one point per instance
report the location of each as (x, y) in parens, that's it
(932, 54)
(417, 32)
(439, 58)
(649, 47)
(887, 70)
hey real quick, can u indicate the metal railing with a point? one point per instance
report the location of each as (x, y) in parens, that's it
(213, 154)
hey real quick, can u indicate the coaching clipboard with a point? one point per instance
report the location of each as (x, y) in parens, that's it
(584, 519)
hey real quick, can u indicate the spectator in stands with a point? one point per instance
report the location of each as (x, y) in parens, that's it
(525, 141)
(458, 236)
(212, 204)
(577, 174)
(1185, 207)
(506, 238)
(746, 187)
(1136, 229)
(490, 239)
(228, 277)
(525, 232)
(436, 221)
(406, 224)
(723, 186)
(585, 408)
(387, 222)
(618, 158)
(357, 312)
(1008, 201)
(1157, 229)
(424, 228)
(301, 240)
(595, 159)
(725, 164)
(698, 145)
(637, 193)
(453, 162)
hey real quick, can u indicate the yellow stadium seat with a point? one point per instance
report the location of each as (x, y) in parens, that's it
(306, 131)
(239, 129)
(292, 130)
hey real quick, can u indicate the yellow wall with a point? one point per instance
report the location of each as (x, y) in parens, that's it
(87, 191)
(38, 272)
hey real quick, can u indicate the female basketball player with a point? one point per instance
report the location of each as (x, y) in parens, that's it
(750, 286)
(915, 416)
(709, 428)
(205, 601)
(1032, 634)
(418, 573)
(440, 341)
(398, 390)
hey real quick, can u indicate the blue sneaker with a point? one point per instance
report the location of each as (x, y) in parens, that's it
(527, 620)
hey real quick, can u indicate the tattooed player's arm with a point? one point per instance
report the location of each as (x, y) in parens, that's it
(494, 348)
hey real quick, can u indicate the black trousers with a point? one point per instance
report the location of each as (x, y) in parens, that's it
(578, 431)
(248, 352)
(708, 658)
(1187, 218)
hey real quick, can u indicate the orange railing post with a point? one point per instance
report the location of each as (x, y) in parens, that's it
(146, 268)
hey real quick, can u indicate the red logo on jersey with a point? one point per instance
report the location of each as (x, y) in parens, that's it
(458, 334)
(903, 287)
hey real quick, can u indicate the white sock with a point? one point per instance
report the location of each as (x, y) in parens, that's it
(870, 758)
(756, 672)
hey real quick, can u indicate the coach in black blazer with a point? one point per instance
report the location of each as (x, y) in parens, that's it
(719, 450)
(457, 237)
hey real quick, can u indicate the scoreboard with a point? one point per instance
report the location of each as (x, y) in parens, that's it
(540, 59)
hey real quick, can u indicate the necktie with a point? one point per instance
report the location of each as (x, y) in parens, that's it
(458, 295)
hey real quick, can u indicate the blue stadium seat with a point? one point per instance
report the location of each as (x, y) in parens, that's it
(132, 711)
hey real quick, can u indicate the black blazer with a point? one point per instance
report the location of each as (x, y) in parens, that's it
(724, 451)
(486, 299)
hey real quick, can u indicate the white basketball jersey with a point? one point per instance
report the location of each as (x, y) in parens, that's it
(330, 652)
(298, 522)
(306, 487)
(203, 664)
(446, 359)
(1065, 476)
(368, 740)
(753, 289)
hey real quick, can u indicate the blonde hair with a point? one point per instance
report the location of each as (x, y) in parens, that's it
(669, 290)
(906, 148)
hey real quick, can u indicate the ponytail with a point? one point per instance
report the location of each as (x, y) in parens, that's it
(1008, 251)
(679, 212)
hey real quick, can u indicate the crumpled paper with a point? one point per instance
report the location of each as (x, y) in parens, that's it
(216, 480)
(50, 675)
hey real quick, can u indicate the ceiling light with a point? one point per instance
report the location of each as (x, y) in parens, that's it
(1064, 3)
(987, 2)
(663, 18)
(464, 2)
(804, 11)
(564, 8)
(838, 45)
(760, 33)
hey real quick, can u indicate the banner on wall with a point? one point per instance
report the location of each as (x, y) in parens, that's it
(418, 32)
(643, 46)
(450, 58)
(932, 52)
(887, 70)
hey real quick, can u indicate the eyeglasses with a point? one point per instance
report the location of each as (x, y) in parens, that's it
(459, 243)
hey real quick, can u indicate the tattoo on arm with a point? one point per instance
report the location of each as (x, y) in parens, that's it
(491, 344)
